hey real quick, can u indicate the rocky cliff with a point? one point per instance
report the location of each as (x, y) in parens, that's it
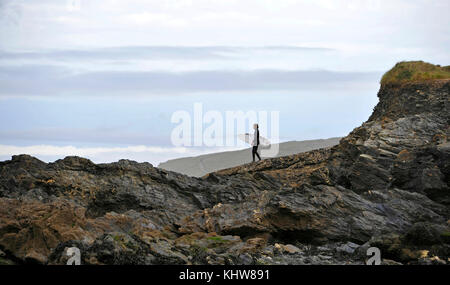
(386, 185)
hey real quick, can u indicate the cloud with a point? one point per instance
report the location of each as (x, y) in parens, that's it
(87, 151)
(111, 135)
(147, 18)
(10, 13)
(49, 24)
(30, 80)
(151, 52)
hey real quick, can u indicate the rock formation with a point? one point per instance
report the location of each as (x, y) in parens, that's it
(386, 185)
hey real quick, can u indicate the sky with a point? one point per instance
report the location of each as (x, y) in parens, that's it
(102, 78)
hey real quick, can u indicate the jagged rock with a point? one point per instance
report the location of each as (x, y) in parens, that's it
(288, 248)
(431, 261)
(424, 234)
(348, 248)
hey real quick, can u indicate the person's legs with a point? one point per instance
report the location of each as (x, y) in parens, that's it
(256, 152)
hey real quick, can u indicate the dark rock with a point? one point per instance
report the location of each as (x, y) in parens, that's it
(424, 234)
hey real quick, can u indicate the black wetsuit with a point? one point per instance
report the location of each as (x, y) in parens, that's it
(255, 147)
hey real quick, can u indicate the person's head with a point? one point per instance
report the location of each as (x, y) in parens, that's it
(255, 126)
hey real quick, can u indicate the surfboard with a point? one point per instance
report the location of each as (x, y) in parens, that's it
(248, 138)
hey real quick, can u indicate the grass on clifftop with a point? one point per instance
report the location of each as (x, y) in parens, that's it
(411, 71)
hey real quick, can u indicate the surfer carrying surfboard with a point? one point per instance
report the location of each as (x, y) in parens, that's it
(255, 142)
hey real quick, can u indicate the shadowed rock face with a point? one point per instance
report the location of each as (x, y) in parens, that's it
(381, 185)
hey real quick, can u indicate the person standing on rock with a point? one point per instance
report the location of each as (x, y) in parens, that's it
(255, 142)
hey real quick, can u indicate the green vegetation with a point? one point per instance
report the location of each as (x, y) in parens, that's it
(217, 239)
(124, 242)
(412, 71)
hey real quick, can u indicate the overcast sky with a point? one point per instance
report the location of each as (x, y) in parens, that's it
(101, 78)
